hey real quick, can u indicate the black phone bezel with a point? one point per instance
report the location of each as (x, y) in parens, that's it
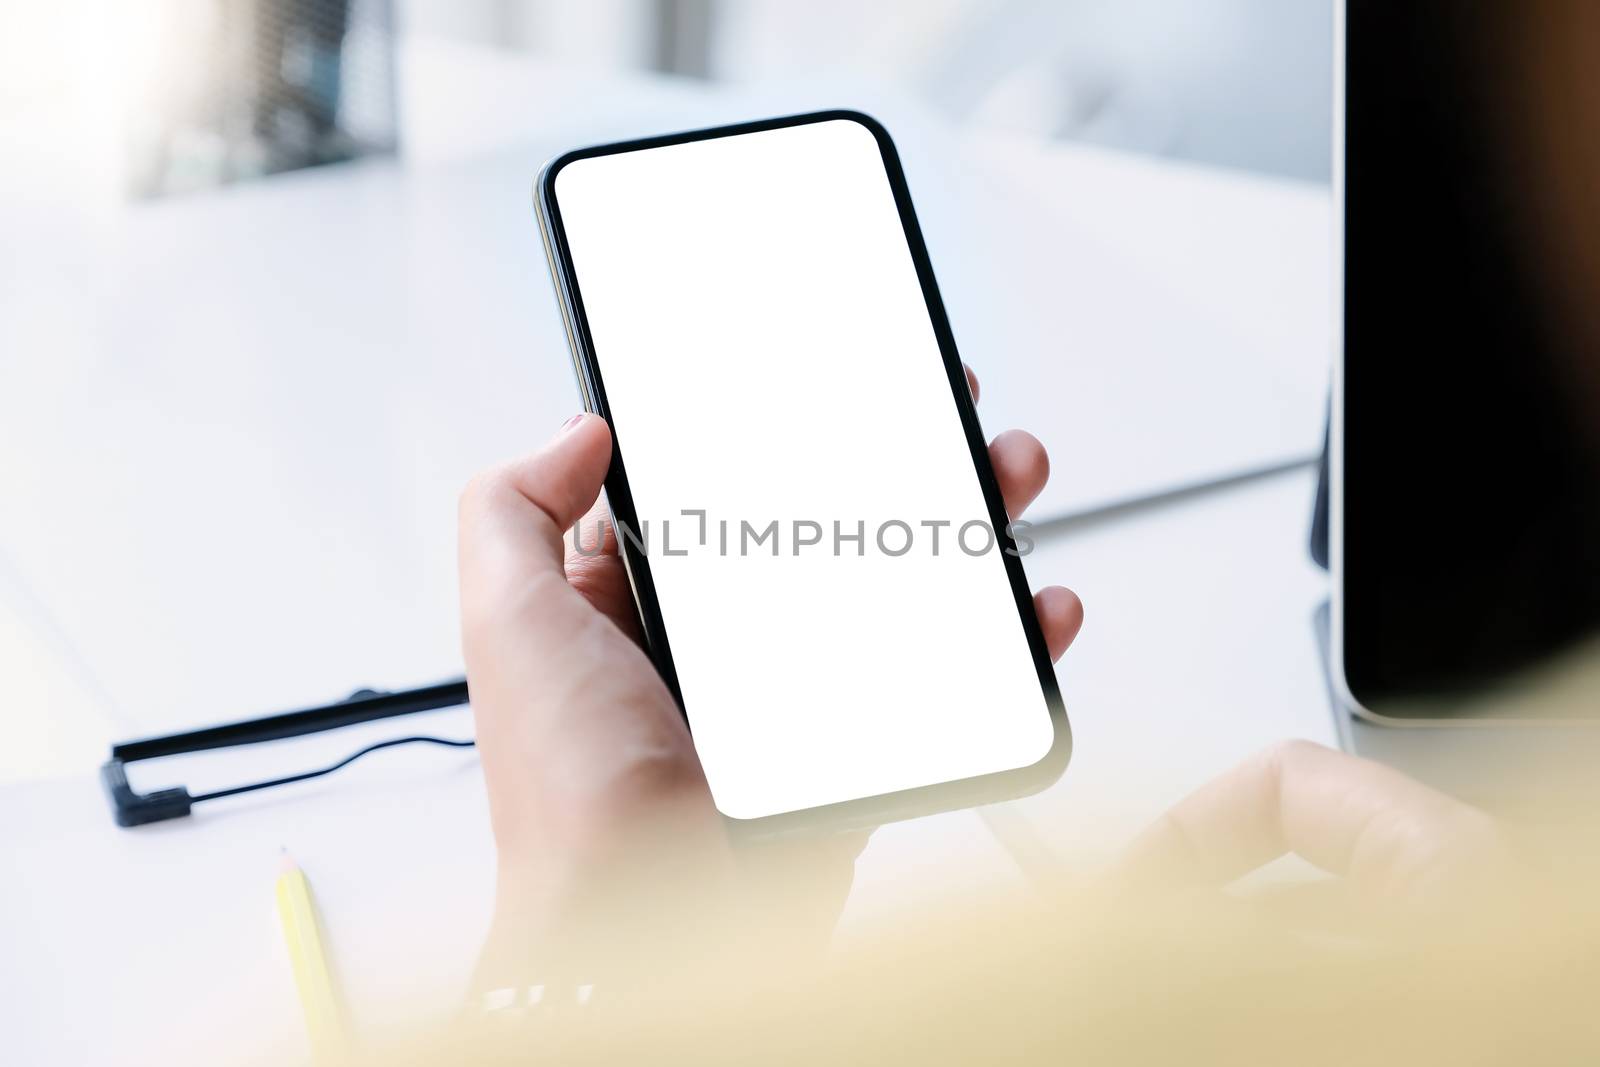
(866, 811)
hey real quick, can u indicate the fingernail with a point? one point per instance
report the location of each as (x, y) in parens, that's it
(570, 423)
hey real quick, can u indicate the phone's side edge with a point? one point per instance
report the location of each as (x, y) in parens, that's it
(619, 496)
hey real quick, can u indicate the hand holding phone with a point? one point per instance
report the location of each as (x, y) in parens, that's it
(587, 761)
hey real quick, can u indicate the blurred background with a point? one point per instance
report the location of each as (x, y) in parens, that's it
(270, 290)
(1241, 83)
(172, 94)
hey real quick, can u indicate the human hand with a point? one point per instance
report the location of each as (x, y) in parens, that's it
(585, 754)
(1398, 846)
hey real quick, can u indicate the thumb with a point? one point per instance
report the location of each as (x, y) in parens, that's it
(512, 520)
(538, 498)
(580, 740)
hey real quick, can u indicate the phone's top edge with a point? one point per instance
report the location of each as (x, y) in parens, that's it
(547, 174)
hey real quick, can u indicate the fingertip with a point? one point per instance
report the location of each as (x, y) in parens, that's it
(564, 477)
(1029, 453)
(584, 431)
(586, 427)
(1060, 614)
(1021, 466)
(588, 437)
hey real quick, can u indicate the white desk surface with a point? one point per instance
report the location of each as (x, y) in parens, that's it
(229, 469)
(1198, 650)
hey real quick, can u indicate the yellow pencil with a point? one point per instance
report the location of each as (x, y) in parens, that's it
(318, 996)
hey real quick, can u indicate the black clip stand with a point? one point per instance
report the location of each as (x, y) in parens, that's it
(366, 705)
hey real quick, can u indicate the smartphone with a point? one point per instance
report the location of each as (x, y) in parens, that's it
(821, 559)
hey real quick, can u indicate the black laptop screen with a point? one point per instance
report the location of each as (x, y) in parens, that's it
(1471, 527)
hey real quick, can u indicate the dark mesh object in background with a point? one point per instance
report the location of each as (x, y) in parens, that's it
(263, 86)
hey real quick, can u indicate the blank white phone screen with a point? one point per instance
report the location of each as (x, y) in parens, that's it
(768, 357)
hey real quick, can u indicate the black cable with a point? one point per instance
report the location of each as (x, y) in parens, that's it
(329, 770)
